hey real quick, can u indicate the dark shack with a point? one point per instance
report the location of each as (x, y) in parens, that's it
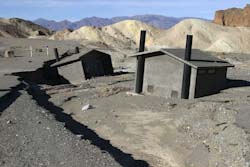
(85, 65)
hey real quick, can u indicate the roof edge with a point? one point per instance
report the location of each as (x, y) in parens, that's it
(147, 54)
(162, 52)
(78, 55)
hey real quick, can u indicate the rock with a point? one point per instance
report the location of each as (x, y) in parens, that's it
(86, 107)
(133, 94)
(233, 17)
(9, 53)
(9, 122)
(79, 136)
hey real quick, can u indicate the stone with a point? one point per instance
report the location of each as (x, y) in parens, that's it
(233, 17)
(9, 122)
(9, 53)
(87, 107)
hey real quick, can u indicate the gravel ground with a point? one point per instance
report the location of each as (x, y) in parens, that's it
(30, 136)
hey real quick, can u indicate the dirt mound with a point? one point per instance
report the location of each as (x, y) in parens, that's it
(233, 17)
(19, 28)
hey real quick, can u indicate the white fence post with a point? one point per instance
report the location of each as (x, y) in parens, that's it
(31, 51)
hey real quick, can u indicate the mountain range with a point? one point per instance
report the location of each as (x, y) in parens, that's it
(158, 21)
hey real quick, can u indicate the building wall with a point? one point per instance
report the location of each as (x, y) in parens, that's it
(192, 83)
(72, 72)
(163, 77)
(210, 81)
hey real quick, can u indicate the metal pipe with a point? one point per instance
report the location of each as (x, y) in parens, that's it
(140, 65)
(187, 69)
(188, 51)
(56, 54)
(142, 41)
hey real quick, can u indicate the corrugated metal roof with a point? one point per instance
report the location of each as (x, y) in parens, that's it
(199, 59)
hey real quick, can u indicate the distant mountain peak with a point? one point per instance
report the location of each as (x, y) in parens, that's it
(158, 21)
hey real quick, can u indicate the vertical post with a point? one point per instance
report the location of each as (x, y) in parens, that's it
(31, 51)
(47, 49)
(56, 54)
(140, 65)
(187, 69)
(77, 50)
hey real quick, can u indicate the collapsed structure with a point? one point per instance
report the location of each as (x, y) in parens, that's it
(85, 65)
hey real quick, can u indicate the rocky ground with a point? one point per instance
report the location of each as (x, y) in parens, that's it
(210, 131)
(30, 136)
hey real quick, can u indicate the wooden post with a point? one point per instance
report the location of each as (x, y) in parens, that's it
(77, 50)
(47, 49)
(140, 65)
(56, 54)
(187, 69)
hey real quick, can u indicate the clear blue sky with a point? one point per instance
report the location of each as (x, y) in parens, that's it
(77, 9)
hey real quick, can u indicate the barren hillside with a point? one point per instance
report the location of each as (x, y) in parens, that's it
(123, 34)
(19, 28)
(207, 36)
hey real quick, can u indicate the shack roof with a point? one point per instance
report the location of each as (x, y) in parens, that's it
(199, 59)
(74, 58)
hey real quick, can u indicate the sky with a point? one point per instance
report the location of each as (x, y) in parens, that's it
(77, 9)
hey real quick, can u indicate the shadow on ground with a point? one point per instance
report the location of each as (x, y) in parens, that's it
(231, 83)
(75, 127)
(10, 97)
